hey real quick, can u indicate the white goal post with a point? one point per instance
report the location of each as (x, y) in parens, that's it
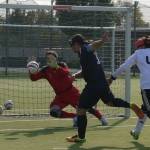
(126, 10)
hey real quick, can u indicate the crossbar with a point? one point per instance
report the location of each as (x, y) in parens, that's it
(71, 7)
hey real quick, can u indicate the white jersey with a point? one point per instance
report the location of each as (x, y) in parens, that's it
(141, 58)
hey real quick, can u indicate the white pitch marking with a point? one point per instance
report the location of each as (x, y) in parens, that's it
(55, 119)
(30, 129)
(59, 148)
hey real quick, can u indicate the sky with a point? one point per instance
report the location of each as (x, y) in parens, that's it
(145, 11)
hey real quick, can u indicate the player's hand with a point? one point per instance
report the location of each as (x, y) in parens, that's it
(109, 81)
(105, 37)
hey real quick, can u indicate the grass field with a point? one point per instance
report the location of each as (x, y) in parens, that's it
(49, 134)
(34, 97)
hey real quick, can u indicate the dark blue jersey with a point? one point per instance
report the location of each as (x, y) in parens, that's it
(92, 70)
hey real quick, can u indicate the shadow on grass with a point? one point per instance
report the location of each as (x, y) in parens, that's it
(77, 146)
(11, 139)
(139, 146)
(33, 133)
(110, 126)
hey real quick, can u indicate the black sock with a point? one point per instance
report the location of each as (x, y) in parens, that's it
(82, 123)
(91, 111)
(120, 103)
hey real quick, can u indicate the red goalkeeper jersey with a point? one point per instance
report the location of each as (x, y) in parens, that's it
(60, 78)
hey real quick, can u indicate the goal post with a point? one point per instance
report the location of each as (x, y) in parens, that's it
(31, 39)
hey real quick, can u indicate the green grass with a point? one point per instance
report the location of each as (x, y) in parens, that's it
(34, 97)
(50, 135)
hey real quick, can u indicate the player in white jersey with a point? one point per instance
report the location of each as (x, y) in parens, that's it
(141, 58)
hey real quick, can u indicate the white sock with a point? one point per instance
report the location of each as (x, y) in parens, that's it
(140, 124)
(104, 120)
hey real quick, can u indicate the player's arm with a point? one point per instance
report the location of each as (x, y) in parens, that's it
(38, 75)
(124, 67)
(97, 44)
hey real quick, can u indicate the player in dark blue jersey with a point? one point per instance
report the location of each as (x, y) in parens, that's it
(96, 84)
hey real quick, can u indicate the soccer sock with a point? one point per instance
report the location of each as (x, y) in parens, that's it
(65, 114)
(120, 103)
(82, 123)
(95, 112)
(140, 124)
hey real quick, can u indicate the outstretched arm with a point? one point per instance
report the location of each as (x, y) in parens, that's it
(97, 44)
(36, 76)
(126, 65)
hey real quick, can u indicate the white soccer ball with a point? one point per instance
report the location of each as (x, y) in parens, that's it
(1, 109)
(8, 105)
(33, 66)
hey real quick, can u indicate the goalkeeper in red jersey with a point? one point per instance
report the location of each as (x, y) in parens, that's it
(59, 77)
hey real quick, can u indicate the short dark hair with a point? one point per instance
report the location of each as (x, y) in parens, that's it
(77, 38)
(147, 41)
(50, 52)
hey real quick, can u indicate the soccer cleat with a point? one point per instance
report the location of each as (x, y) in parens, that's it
(134, 134)
(104, 121)
(75, 139)
(75, 122)
(137, 111)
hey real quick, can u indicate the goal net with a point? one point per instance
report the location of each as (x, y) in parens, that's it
(29, 29)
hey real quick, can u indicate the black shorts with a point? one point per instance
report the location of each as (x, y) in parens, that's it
(92, 94)
(146, 101)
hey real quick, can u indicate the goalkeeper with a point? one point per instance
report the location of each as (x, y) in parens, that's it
(59, 77)
(141, 57)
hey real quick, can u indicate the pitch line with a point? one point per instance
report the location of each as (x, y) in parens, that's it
(59, 148)
(32, 129)
(55, 119)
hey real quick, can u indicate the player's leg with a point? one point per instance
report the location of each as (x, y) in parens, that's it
(56, 109)
(146, 109)
(98, 114)
(87, 100)
(109, 99)
(74, 96)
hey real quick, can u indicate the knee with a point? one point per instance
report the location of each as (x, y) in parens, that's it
(145, 111)
(148, 114)
(55, 112)
(109, 103)
(81, 111)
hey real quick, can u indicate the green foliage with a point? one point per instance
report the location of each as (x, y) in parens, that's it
(102, 19)
(19, 16)
(139, 19)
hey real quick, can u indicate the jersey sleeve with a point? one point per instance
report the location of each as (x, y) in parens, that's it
(64, 71)
(126, 65)
(37, 76)
(89, 48)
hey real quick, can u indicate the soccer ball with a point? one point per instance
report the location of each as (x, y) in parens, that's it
(1, 110)
(33, 67)
(8, 105)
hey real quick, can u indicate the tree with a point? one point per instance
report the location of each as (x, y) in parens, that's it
(139, 19)
(79, 18)
(28, 37)
(139, 16)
